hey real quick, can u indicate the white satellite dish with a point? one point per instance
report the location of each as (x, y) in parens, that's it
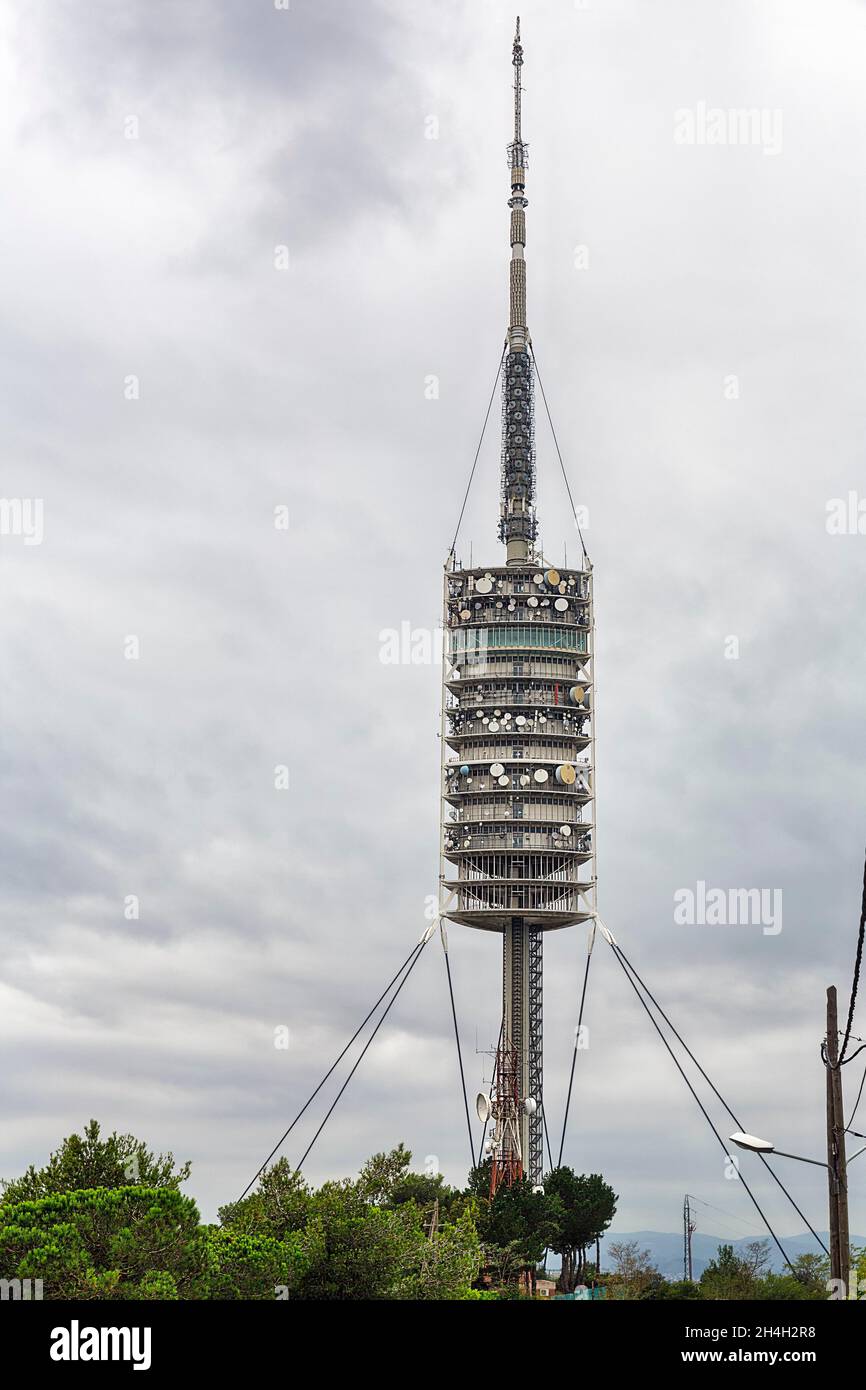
(484, 586)
(482, 1106)
(530, 1106)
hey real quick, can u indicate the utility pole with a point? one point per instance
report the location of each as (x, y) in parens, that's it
(688, 1228)
(837, 1175)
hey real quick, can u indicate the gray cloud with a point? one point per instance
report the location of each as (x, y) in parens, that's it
(258, 387)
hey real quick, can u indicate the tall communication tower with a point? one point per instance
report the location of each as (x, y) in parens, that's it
(518, 741)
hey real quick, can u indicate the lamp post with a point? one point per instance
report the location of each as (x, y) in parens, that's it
(753, 1144)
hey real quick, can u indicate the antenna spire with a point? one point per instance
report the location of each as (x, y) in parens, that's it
(517, 524)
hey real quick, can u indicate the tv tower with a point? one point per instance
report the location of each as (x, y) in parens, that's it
(518, 740)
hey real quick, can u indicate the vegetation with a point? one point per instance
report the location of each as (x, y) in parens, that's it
(727, 1277)
(105, 1219)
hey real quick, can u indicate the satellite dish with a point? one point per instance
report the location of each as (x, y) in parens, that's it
(560, 604)
(524, 779)
(465, 614)
(496, 769)
(494, 726)
(577, 694)
(565, 830)
(503, 781)
(521, 720)
(552, 578)
(566, 774)
(482, 1106)
(484, 586)
(530, 1106)
(538, 579)
(532, 602)
(540, 774)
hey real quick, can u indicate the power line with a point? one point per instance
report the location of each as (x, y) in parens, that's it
(457, 1040)
(697, 1099)
(729, 1214)
(559, 454)
(362, 1054)
(576, 1044)
(477, 452)
(856, 1103)
(773, 1174)
(857, 964)
(416, 948)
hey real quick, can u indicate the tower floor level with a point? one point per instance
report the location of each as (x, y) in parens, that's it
(518, 748)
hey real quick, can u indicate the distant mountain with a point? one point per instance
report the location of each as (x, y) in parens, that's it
(666, 1248)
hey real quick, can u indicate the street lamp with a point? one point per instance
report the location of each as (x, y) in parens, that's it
(838, 1189)
(764, 1146)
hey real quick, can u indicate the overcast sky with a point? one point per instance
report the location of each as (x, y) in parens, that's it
(698, 315)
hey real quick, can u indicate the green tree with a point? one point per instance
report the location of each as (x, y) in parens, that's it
(789, 1288)
(279, 1206)
(123, 1242)
(354, 1250)
(634, 1274)
(587, 1206)
(382, 1173)
(85, 1161)
(387, 1180)
(728, 1276)
(443, 1266)
(520, 1221)
(251, 1267)
(672, 1289)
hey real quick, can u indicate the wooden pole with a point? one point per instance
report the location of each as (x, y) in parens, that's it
(837, 1173)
